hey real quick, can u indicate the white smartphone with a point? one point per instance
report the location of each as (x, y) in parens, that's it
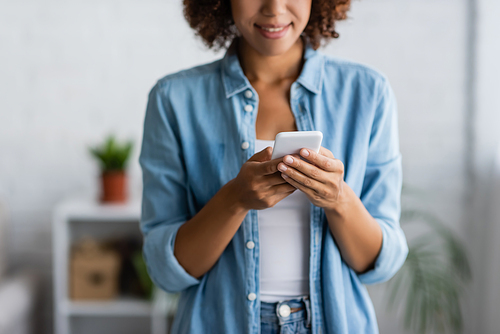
(291, 142)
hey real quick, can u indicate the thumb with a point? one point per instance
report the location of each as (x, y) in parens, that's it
(264, 155)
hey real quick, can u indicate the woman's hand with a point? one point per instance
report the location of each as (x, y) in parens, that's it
(259, 185)
(321, 177)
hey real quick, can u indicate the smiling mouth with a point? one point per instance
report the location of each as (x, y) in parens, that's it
(270, 29)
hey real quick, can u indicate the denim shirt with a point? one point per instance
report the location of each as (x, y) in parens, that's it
(199, 129)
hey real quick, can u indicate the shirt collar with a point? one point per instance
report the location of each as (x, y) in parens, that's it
(235, 81)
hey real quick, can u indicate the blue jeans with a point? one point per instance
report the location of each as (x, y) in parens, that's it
(274, 319)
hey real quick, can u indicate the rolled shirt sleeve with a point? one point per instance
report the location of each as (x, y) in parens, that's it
(164, 197)
(381, 190)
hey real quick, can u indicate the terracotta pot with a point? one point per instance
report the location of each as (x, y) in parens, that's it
(113, 187)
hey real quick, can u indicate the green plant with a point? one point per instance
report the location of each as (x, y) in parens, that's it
(431, 281)
(112, 156)
(142, 273)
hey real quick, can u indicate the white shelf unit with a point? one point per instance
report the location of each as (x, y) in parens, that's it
(73, 219)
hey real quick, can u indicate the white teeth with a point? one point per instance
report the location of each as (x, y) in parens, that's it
(272, 29)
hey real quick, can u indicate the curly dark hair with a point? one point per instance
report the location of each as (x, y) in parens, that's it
(213, 21)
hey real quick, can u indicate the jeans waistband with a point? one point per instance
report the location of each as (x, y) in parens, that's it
(272, 310)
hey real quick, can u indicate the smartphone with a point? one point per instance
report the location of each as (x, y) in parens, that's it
(291, 142)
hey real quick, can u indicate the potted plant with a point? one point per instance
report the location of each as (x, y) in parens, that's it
(113, 158)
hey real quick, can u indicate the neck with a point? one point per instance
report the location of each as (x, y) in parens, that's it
(271, 69)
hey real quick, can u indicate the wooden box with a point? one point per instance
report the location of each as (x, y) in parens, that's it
(94, 272)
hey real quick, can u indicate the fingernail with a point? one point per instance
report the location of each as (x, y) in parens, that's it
(288, 160)
(305, 153)
(282, 167)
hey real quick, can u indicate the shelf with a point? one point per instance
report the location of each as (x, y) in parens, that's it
(121, 307)
(76, 217)
(81, 209)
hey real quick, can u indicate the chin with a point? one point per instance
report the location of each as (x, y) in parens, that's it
(273, 47)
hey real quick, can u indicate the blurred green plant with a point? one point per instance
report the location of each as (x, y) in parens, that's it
(142, 272)
(113, 156)
(431, 282)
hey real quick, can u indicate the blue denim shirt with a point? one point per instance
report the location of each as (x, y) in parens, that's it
(199, 129)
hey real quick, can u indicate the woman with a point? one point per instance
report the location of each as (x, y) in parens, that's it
(256, 245)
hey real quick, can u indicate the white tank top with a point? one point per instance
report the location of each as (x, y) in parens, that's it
(284, 245)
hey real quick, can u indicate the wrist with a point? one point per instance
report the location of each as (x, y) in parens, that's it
(339, 208)
(232, 198)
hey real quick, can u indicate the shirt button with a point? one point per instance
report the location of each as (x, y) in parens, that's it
(248, 94)
(245, 145)
(284, 310)
(251, 296)
(248, 108)
(250, 245)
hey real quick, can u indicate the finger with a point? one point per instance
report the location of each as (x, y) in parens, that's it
(273, 179)
(282, 188)
(303, 179)
(308, 191)
(269, 167)
(326, 152)
(324, 162)
(281, 196)
(306, 168)
(264, 155)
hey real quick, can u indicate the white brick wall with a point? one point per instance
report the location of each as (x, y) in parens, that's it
(70, 71)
